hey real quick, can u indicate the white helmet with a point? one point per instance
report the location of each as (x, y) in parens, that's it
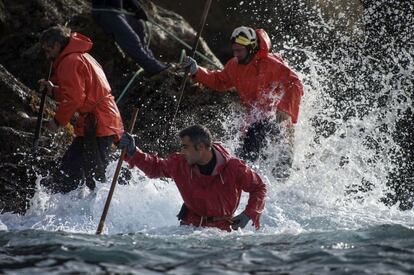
(244, 36)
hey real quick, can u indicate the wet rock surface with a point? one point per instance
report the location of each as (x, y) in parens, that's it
(22, 62)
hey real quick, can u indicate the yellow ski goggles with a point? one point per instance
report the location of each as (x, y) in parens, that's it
(243, 41)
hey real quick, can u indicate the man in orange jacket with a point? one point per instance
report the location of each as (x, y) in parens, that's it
(208, 178)
(268, 88)
(80, 88)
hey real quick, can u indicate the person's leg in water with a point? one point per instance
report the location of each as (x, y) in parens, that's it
(255, 144)
(98, 158)
(71, 173)
(282, 141)
(282, 155)
(253, 141)
(96, 152)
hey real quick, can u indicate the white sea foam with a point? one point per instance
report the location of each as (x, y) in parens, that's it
(321, 193)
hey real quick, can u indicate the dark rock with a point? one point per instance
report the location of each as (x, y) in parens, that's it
(23, 63)
(19, 163)
(2, 17)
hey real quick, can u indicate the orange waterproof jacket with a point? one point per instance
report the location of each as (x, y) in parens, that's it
(265, 83)
(83, 88)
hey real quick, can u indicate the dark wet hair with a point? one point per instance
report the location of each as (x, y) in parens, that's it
(198, 134)
(59, 34)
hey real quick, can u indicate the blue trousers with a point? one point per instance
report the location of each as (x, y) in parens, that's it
(129, 32)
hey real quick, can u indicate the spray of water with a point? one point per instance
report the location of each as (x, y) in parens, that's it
(344, 148)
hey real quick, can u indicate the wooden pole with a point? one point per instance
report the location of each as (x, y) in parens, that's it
(193, 51)
(116, 175)
(40, 114)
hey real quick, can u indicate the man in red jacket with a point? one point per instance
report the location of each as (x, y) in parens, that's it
(268, 88)
(80, 88)
(209, 179)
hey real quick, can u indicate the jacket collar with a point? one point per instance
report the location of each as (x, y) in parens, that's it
(222, 158)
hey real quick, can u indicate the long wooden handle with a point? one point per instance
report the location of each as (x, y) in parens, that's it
(201, 27)
(39, 119)
(193, 51)
(40, 114)
(116, 175)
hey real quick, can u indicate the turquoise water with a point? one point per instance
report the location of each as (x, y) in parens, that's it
(384, 249)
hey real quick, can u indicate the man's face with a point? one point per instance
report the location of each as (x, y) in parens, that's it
(191, 152)
(239, 51)
(51, 52)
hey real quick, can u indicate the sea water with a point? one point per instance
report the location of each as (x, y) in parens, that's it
(326, 218)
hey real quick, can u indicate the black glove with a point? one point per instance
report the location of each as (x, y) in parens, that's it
(240, 221)
(127, 142)
(183, 212)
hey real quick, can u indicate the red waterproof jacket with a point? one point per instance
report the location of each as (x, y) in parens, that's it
(83, 88)
(217, 195)
(265, 83)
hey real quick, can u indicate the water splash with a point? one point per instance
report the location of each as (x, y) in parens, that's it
(356, 87)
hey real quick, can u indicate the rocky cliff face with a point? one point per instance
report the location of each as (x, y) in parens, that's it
(22, 64)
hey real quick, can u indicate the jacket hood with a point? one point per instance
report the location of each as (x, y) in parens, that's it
(223, 158)
(265, 45)
(78, 43)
